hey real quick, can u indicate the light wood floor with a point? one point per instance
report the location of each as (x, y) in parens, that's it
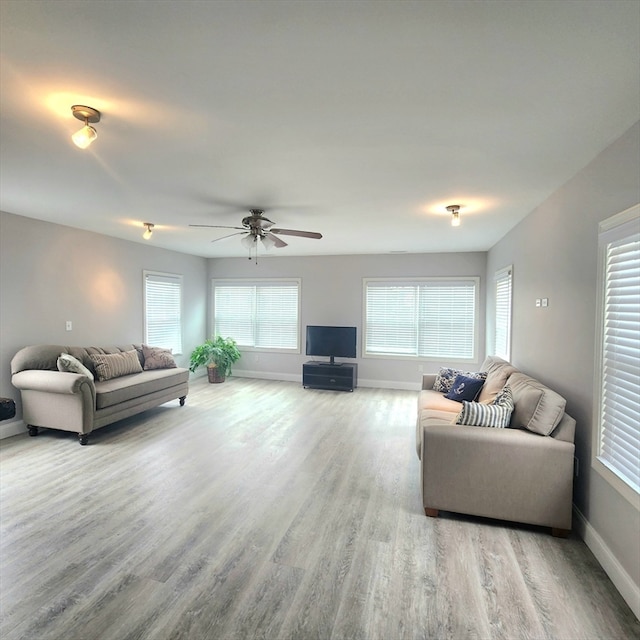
(264, 510)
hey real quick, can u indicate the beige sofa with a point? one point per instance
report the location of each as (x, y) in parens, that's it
(75, 402)
(523, 473)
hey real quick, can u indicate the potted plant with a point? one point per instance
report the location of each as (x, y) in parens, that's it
(217, 354)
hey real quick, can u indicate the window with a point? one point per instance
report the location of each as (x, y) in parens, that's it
(502, 337)
(617, 446)
(426, 318)
(163, 310)
(258, 314)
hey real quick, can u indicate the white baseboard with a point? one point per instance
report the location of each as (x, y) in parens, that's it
(389, 384)
(13, 428)
(267, 375)
(622, 581)
(292, 377)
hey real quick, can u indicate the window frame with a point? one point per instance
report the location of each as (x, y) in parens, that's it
(606, 231)
(418, 281)
(179, 279)
(499, 276)
(257, 282)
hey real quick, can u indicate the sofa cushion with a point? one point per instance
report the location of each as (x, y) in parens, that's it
(70, 364)
(496, 414)
(464, 388)
(498, 372)
(446, 377)
(157, 358)
(537, 408)
(117, 390)
(115, 365)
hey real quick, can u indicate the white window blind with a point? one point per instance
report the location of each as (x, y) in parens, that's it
(263, 315)
(163, 310)
(422, 318)
(502, 337)
(619, 429)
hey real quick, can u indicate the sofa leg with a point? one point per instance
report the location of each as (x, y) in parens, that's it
(432, 513)
(560, 533)
(182, 400)
(33, 431)
(84, 438)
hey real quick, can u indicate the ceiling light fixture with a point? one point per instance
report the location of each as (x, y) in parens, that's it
(454, 209)
(268, 242)
(147, 234)
(249, 240)
(85, 136)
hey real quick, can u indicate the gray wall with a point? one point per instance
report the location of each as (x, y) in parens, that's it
(332, 294)
(554, 253)
(51, 273)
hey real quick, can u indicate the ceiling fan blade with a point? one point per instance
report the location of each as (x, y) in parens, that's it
(295, 232)
(278, 243)
(216, 226)
(237, 233)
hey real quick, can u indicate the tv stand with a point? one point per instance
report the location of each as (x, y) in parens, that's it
(340, 376)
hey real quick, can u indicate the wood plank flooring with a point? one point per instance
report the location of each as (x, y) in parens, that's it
(264, 510)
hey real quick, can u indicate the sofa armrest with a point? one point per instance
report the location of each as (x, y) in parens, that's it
(509, 474)
(56, 399)
(428, 380)
(51, 381)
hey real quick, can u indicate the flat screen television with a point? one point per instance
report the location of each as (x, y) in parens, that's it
(334, 342)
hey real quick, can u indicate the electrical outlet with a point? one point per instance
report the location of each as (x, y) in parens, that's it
(545, 302)
(69, 325)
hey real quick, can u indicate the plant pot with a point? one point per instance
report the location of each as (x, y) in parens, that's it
(214, 374)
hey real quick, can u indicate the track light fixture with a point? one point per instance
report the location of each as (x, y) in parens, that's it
(147, 234)
(85, 136)
(454, 209)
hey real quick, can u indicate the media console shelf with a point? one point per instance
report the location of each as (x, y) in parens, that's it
(325, 375)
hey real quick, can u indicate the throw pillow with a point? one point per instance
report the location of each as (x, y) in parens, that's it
(497, 414)
(464, 388)
(114, 365)
(157, 358)
(537, 408)
(69, 364)
(446, 376)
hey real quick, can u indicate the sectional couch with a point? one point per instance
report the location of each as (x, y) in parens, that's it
(81, 389)
(522, 472)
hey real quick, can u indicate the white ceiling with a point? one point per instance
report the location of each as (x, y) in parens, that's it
(360, 120)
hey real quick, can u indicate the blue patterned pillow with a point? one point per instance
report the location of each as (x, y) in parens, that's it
(464, 388)
(444, 379)
(497, 414)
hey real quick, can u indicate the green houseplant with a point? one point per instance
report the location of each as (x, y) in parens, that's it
(217, 354)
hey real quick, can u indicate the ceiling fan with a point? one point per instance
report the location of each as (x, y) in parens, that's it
(255, 226)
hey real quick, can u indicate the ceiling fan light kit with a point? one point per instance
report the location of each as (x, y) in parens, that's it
(256, 226)
(85, 136)
(454, 209)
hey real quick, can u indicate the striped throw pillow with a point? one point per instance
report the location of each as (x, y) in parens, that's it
(114, 365)
(497, 414)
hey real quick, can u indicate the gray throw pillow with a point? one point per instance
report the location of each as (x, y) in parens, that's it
(115, 365)
(69, 364)
(157, 358)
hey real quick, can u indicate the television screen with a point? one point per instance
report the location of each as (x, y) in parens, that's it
(335, 342)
